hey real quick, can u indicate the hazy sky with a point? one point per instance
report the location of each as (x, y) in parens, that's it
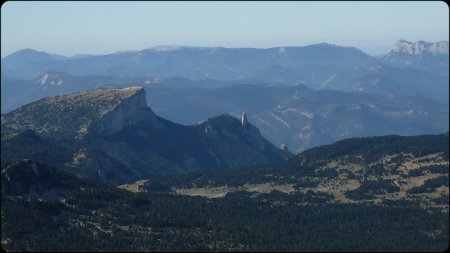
(70, 28)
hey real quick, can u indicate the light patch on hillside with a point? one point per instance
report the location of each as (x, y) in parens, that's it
(414, 163)
(80, 155)
(279, 119)
(403, 162)
(337, 188)
(221, 191)
(213, 192)
(134, 187)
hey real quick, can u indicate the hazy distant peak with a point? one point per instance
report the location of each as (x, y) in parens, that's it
(31, 54)
(419, 47)
(327, 44)
(324, 45)
(80, 56)
(165, 48)
(173, 48)
(126, 51)
(28, 53)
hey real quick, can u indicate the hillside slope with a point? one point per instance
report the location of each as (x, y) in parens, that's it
(294, 207)
(357, 170)
(111, 134)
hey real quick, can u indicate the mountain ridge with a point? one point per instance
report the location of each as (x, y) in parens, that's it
(426, 56)
(372, 170)
(116, 107)
(420, 47)
(188, 102)
(112, 135)
(213, 62)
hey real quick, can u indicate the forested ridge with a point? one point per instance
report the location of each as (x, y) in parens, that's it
(400, 203)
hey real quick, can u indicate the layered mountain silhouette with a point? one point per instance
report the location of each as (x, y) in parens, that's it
(210, 62)
(408, 87)
(292, 115)
(419, 68)
(302, 118)
(112, 135)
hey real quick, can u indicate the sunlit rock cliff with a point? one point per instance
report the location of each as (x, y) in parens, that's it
(103, 111)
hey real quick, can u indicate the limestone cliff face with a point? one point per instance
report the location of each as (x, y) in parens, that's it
(102, 111)
(420, 47)
(129, 111)
(427, 56)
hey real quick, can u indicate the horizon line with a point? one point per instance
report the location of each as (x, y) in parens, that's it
(168, 47)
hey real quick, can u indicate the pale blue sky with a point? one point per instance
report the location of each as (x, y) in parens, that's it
(70, 28)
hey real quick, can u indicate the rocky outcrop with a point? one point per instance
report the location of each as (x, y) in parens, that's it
(129, 111)
(102, 111)
(420, 47)
(426, 56)
(244, 119)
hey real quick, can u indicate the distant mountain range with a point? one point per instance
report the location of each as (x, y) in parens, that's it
(419, 68)
(300, 117)
(292, 115)
(16, 93)
(405, 92)
(189, 62)
(111, 135)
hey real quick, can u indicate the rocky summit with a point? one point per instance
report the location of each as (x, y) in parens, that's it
(112, 135)
(102, 111)
(420, 47)
(429, 58)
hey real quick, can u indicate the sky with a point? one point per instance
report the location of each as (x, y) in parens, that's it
(70, 28)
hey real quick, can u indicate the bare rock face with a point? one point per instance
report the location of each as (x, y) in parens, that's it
(244, 119)
(102, 111)
(439, 47)
(426, 56)
(129, 111)
(419, 47)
